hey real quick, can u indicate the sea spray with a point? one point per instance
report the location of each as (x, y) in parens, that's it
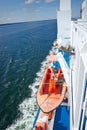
(29, 107)
(23, 46)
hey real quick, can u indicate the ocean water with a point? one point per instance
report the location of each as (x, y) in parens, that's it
(24, 50)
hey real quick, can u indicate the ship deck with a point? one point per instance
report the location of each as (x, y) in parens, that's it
(83, 25)
(62, 118)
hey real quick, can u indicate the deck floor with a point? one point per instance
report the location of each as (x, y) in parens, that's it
(62, 118)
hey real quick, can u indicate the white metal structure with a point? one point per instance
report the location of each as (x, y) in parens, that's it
(64, 20)
(77, 31)
(79, 75)
(65, 68)
(84, 10)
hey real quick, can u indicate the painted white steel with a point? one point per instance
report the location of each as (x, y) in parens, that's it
(65, 68)
(75, 76)
(84, 111)
(65, 4)
(79, 70)
(84, 58)
(71, 101)
(80, 92)
(64, 20)
(79, 35)
(86, 126)
(84, 10)
(64, 24)
(79, 65)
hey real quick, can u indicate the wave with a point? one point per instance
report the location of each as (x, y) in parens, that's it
(29, 107)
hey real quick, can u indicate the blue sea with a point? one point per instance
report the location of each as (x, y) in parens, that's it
(24, 50)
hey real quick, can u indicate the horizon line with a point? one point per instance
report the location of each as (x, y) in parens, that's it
(26, 21)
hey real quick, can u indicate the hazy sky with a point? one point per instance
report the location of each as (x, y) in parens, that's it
(32, 10)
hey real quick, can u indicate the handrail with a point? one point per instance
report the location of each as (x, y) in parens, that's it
(72, 100)
(38, 111)
(64, 67)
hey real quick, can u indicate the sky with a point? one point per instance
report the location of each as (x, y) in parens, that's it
(12, 11)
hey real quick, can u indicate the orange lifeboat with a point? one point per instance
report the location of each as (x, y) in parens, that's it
(50, 95)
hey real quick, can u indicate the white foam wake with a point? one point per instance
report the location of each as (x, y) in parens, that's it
(29, 106)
